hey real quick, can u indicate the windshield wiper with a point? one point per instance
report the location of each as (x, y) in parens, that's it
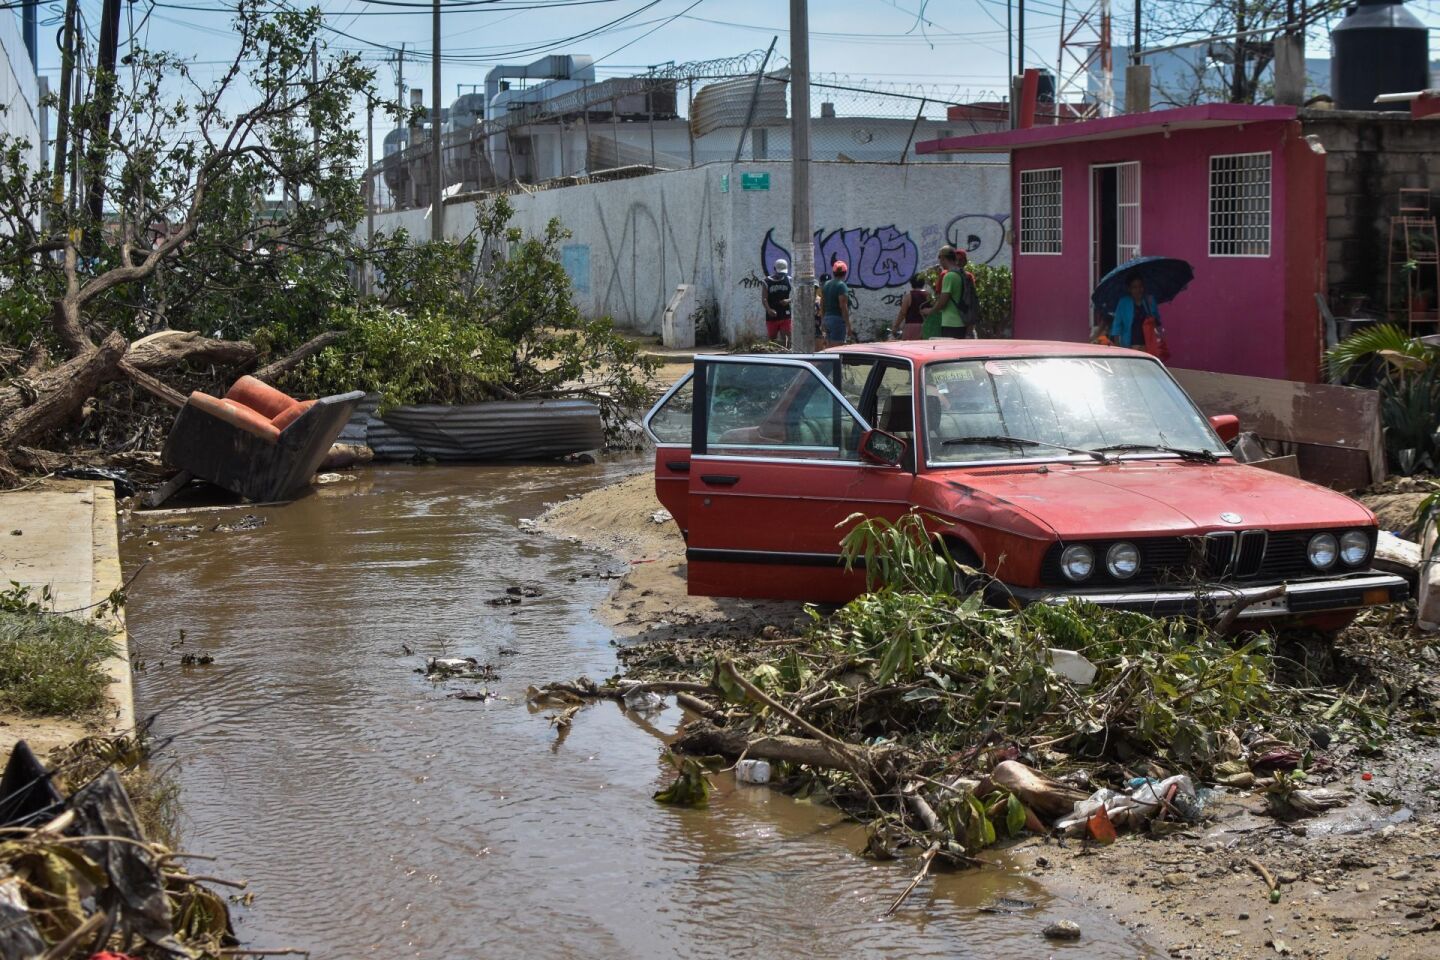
(1000, 441)
(1196, 456)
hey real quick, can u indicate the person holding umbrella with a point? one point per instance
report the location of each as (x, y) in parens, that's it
(1131, 295)
(1127, 325)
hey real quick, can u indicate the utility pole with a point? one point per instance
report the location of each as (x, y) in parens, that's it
(315, 82)
(1020, 40)
(1136, 47)
(437, 200)
(802, 237)
(400, 81)
(62, 118)
(104, 100)
(365, 281)
(1237, 81)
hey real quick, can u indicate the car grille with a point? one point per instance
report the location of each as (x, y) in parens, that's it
(1225, 556)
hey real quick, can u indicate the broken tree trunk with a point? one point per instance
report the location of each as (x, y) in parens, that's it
(168, 348)
(57, 394)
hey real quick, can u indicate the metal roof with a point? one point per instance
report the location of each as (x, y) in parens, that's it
(1110, 128)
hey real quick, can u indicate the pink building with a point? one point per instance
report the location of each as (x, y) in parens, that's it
(1236, 190)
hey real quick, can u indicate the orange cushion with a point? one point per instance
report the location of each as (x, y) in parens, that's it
(260, 397)
(291, 413)
(236, 415)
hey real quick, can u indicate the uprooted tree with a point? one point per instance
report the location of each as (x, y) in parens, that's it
(156, 215)
(189, 231)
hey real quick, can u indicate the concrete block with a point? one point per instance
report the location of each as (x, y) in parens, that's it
(1343, 183)
(1336, 137)
(1336, 206)
(677, 329)
(1342, 228)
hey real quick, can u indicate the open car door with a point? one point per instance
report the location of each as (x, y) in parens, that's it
(774, 471)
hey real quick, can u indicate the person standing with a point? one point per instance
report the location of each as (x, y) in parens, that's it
(775, 292)
(910, 321)
(956, 303)
(835, 306)
(1136, 322)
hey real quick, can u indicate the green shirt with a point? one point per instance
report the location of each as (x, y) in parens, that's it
(953, 284)
(830, 296)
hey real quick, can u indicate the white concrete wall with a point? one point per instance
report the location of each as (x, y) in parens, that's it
(19, 92)
(635, 240)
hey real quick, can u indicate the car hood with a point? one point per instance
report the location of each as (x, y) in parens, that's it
(1139, 497)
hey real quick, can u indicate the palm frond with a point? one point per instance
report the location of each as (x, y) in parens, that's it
(1396, 347)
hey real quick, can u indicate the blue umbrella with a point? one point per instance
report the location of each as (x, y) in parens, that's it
(1164, 278)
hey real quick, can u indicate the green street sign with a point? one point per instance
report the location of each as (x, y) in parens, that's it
(754, 181)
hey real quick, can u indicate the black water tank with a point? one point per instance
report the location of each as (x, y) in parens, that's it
(1380, 47)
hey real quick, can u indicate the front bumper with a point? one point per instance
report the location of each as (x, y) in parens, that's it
(1301, 597)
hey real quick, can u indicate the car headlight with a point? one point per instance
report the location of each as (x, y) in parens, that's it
(1354, 547)
(1322, 551)
(1122, 560)
(1077, 562)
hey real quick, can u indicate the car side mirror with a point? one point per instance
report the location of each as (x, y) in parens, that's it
(879, 447)
(1227, 425)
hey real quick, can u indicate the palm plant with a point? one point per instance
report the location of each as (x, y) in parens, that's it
(1409, 387)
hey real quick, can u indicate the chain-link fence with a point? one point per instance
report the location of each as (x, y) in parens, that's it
(670, 118)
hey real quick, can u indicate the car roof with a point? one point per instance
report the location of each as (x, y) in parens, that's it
(932, 351)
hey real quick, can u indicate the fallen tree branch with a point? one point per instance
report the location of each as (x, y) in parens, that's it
(1241, 603)
(926, 861)
(922, 809)
(703, 738)
(151, 385)
(271, 371)
(168, 348)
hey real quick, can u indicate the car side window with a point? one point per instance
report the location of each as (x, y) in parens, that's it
(670, 423)
(776, 410)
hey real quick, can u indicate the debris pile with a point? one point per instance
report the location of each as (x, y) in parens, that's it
(79, 875)
(949, 726)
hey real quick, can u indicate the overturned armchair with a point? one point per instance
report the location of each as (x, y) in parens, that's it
(256, 441)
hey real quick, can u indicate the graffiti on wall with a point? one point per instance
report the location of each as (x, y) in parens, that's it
(878, 258)
(980, 235)
(883, 257)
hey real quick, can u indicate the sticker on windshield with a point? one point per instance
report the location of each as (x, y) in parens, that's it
(948, 373)
(996, 368)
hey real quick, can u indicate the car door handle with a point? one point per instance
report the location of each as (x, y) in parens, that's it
(677, 466)
(720, 479)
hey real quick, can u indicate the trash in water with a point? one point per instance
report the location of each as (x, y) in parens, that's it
(508, 600)
(1007, 905)
(458, 668)
(1062, 930)
(247, 522)
(643, 701)
(525, 591)
(752, 771)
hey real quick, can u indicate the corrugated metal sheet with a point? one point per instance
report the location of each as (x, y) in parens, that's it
(500, 430)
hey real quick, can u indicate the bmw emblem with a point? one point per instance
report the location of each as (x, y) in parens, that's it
(1231, 517)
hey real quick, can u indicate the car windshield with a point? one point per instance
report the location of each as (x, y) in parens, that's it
(1030, 408)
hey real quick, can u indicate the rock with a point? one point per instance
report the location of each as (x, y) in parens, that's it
(1062, 930)
(1362, 887)
(1176, 879)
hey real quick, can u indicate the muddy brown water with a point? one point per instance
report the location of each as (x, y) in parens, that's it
(374, 815)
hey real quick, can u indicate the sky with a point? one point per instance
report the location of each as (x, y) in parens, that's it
(956, 50)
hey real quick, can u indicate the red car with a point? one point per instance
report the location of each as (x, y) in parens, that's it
(1059, 469)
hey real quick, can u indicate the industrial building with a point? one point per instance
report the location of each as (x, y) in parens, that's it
(553, 119)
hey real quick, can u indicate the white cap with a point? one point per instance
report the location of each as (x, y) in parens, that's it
(782, 266)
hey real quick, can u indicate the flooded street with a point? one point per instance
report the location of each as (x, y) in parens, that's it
(375, 815)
